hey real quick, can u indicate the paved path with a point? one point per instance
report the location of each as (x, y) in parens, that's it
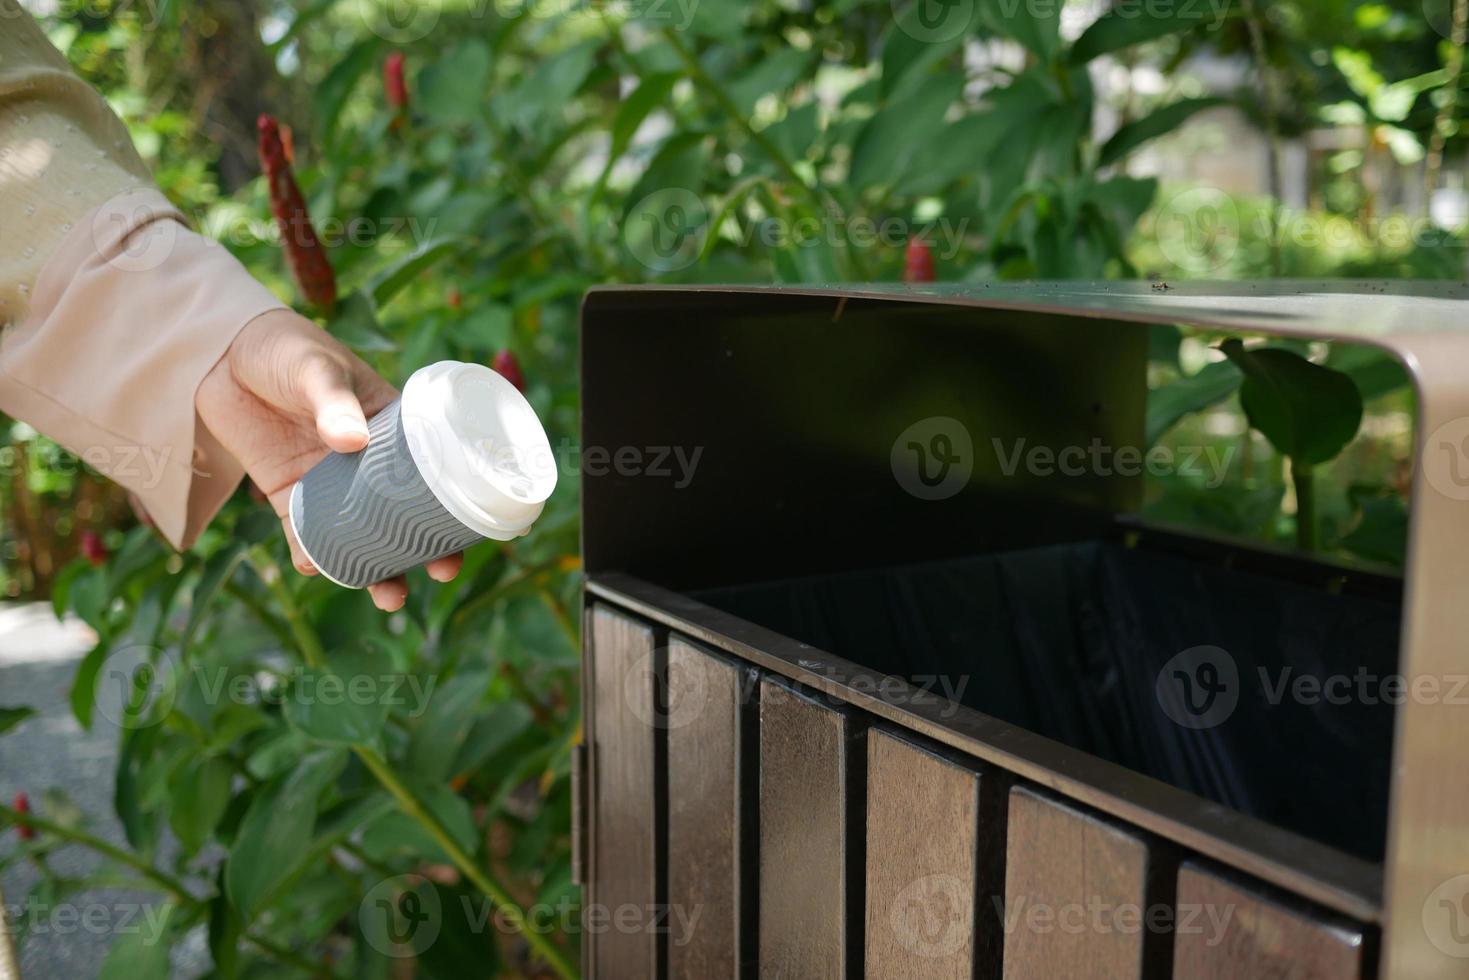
(38, 657)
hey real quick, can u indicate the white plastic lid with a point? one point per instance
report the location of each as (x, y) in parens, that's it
(479, 446)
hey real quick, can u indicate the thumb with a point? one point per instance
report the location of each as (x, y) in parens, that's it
(326, 387)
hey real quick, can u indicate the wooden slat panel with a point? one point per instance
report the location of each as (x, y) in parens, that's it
(624, 847)
(925, 822)
(1061, 865)
(1225, 931)
(808, 889)
(705, 763)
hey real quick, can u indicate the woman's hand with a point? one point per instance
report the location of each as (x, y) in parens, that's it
(284, 394)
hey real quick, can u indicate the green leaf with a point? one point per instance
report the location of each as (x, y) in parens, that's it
(545, 92)
(331, 94)
(388, 283)
(276, 830)
(1129, 24)
(484, 330)
(899, 136)
(1356, 67)
(1036, 24)
(1170, 403)
(348, 702)
(10, 717)
(217, 571)
(775, 73)
(1381, 532)
(1308, 412)
(1151, 126)
(1375, 373)
(199, 792)
(356, 325)
(443, 728)
(720, 21)
(141, 951)
(84, 684)
(650, 94)
(908, 47)
(493, 730)
(452, 89)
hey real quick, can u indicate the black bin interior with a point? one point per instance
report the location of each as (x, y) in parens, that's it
(1070, 641)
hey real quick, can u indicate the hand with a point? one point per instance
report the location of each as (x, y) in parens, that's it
(284, 394)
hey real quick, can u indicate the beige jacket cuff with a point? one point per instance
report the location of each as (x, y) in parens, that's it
(128, 315)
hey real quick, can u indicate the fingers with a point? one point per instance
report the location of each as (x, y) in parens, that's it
(326, 386)
(299, 560)
(389, 596)
(444, 569)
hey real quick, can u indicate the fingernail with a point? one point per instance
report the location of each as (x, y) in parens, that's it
(348, 425)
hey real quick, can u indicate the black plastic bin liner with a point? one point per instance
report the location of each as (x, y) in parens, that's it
(1069, 642)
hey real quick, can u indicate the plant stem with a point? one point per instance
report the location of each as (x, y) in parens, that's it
(315, 657)
(169, 884)
(477, 876)
(305, 637)
(1272, 129)
(1453, 69)
(1304, 479)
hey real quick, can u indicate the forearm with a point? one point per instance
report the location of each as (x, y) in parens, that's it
(114, 311)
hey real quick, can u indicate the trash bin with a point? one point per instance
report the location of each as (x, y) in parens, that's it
(864, 697)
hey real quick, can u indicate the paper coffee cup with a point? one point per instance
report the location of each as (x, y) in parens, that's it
(459, 458)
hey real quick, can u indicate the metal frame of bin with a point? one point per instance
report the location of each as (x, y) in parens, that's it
(649, 350)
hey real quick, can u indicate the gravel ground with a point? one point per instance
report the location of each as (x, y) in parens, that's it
(69, 941)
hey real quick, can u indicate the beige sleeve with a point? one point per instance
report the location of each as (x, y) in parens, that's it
(113, 311)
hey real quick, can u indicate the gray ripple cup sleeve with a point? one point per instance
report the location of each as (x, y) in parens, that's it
(460, 458)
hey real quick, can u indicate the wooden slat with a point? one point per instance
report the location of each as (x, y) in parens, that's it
(624, 847)
(810, 887)
(928, 914)
(705, 763)
(1225, 931)
(1075, 894)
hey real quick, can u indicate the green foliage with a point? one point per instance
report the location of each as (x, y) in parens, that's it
(1308, 412)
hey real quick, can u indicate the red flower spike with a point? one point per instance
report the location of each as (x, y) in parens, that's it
(93, 549)
(23, 806)
(507, 366)
(304, 251)
(394, 84)
(919, 263)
